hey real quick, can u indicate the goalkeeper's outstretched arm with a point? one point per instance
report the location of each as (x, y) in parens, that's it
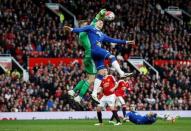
(99, 16)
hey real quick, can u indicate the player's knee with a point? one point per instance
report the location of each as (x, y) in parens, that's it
(91, 78)
(113, 108)
(98, 109)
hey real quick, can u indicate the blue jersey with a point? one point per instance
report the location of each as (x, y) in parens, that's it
(139, 119)
(96, 36)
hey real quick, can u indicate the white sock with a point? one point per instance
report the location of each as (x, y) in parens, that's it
(161, 116)
(97, 84)
(115, 65)
(78, 97)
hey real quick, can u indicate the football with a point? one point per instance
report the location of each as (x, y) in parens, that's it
(109, 16)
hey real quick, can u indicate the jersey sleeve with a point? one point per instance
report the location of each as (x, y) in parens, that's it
(101, 85)
(113, 40)
(93, 23)
(112, 78)
(82, 29)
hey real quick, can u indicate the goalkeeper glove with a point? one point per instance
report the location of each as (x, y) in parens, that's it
(101, 14)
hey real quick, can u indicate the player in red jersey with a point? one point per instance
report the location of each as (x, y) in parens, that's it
(120, 93)
(108, 86)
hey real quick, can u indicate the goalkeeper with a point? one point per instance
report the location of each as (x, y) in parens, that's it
(89, 65)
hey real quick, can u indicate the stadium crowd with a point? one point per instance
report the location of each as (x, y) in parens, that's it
(28, 30)
(35, 33)
(48, 86)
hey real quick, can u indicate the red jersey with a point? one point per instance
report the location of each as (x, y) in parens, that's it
(107, 84)
(120, 91)
(129, 85)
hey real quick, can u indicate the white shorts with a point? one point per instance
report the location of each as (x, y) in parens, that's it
(120, 101)
(108, 100)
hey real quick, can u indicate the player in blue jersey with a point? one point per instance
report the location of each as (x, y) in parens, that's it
(136, 118)
(96, 37)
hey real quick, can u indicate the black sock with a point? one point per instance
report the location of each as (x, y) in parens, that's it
(99, 115)
(124, 111)
(116, 116)
(111, 119)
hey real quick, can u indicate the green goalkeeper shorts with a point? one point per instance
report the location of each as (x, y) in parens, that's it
(90, 67)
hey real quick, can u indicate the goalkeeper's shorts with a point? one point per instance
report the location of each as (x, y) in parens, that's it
(89, 65)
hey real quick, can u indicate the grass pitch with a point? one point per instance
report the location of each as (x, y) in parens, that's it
(181, 124)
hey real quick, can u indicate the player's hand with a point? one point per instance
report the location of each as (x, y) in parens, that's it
(68, 28)
(103, 11)
(101, 14)
(132, 42)
(112, 90)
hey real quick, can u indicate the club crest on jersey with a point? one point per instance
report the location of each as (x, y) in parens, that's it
(99, 33)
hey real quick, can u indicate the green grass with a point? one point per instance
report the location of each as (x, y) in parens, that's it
(182, 124)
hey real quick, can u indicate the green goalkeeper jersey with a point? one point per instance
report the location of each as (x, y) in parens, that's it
(85, 42)
(90, 67)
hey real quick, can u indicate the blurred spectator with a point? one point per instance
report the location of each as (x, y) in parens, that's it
(40, 95)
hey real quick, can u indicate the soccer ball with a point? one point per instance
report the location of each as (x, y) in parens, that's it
(109, 16)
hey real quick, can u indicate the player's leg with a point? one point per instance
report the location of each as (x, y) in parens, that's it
(97, 82)
(99, 114)
(111, 119)
(114, 111)
(122, 103)
(117, 67)
(98, 55)
(154, 118)
(76, 88)
(102, 54)
(117, 104)
(168, 117)
(91, 70)
(85, 88)
(83, 91)
(111, 102)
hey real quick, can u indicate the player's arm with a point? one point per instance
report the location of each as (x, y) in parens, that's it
(116, 84)
(114, 88)
(78, 30)
(118, 41)
(99, 16)
(100, 89)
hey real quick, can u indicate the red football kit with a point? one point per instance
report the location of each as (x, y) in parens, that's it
(107, 84)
